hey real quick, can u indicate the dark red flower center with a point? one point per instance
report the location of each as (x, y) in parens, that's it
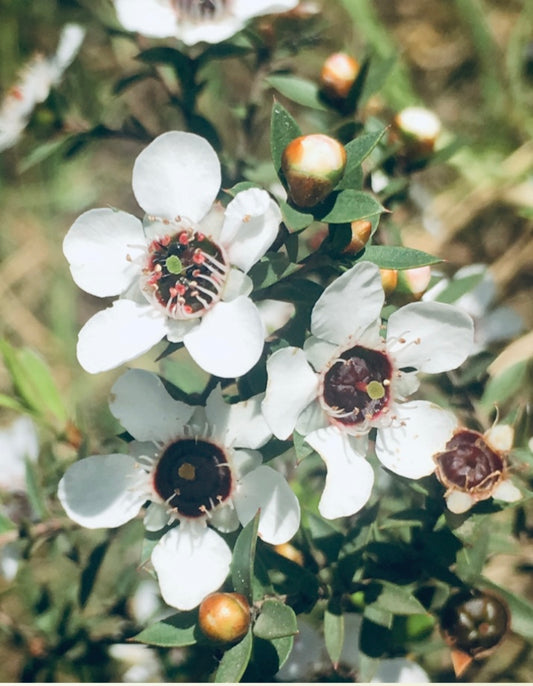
(185, 273)
(193, 476)
(468, 463)
(357, 386)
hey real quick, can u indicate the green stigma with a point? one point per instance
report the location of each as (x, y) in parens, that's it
(173, 264)
(375, 390)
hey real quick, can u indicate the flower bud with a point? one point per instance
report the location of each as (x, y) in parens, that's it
(224, 617)
(474, 622)
(418, 128)
(416, 280)
(313, 165)
(338, 75)
(361, 231)
(288, 551)
(389, 280)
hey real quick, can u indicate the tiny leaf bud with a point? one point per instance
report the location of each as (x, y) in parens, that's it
(337, 76)
(312, 165)
(224, 617)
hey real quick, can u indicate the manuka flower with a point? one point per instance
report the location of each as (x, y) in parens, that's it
(194, 21)
(197, 467)
(349, 380)
(33, 87)
(182, 272)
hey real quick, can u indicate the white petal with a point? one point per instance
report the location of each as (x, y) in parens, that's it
(246, 9)
(432, 337)
(10, 554)
(178, 174)
(419, 431)
(214, 31)
(266, 490)
(238, 283)
(176, 329)
(148, 17)
(191, 561)
(250, 227)
(500, 437)
(18, 442)
(399, 670)
(229, 340)
(240, 424)
(118, 334)
(144, 408)
(291, 386)
(348, 305)
(70, 41)
(244, 461)
(349, 478)
(507, 492)
(103, 247)
(156, 517)
(405, 384)
(97, 491)
(311, 419)
(224, 519)
(275, 314)
(459, 502)
(319, 352)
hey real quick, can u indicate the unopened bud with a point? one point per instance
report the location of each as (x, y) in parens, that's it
(361, 230)
(224, 617)
(418, 128)
(389, 280)
(313, 165)
(288, 551)
(416, 280)
(474, 622)
(338, 75)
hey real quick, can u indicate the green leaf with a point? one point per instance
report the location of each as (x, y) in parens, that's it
(349, 205)
(283, 647)
(276, 620)
(272, 268)
(398, 257)
(458, 287)
(241, 186)
(471, 559)
(398, 600)
(8, 401)
(375, 639)
(6, 524)
(283, 129)
(33, 381)
(500, 388)
(242, 564)
(356, 152)
(90, 572)
(298, 90)
(334, 635)
(301, 448)
(183, 372)
(294, 219)
(175, 631)
(165, 55)
(34, 490)
(234, 661)
(521, 610)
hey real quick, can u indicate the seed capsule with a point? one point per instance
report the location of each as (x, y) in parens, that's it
(224, 617)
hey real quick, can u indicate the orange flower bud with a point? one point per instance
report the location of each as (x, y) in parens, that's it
(338, 74)
(389, 280)
(312, 165)
(419, 129)
(416, 280)
(290, 552)
(361, 230)
(224, 617)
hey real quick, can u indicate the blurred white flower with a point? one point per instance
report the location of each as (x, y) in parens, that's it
(141, 663)
(491, 325)
(183, 273)
(348, 380)
(197, 466)
(9, 560)
(18, 443)
(38, 77)
(194, 21)
(308, 656)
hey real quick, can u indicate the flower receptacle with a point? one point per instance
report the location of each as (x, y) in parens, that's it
(224, 617)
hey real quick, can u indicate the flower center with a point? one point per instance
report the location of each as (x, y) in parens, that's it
(468, 463)
(200, 10)
(356, 388)
(193, 477)
(185, 273)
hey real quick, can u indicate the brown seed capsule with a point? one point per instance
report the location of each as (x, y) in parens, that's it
(337, 75)
(474, 622)
(312, 165)
(224, 617)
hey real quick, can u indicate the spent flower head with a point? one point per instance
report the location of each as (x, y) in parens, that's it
(350, 379)
(182, 272)
(199, 468)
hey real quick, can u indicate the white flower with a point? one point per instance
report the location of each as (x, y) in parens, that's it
(197, 466)
(18, 443)
(34, 85)
(141, 663)
(194, 21)
(181, 274)
(491, 325)
(473, 467)
(348, 380)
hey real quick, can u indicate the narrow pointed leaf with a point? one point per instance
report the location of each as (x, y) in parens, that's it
(276, 620)
(175, 631)
(234, 661)
(242, 564)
